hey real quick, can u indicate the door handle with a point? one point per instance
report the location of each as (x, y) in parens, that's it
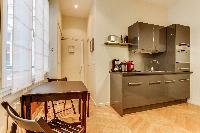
(157, 82)
(135, 84)
(170, 81)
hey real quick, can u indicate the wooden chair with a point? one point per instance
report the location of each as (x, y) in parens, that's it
(40, 125)
(53, 103)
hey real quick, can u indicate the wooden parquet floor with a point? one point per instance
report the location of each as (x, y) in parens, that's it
(182, 118)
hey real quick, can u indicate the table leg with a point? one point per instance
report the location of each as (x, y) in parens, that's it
(84, 98)
(79, 108)
(88, 105)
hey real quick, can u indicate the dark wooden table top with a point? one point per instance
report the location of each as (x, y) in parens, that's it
(57, 87)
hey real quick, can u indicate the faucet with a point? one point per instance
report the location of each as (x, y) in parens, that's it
(154, 65)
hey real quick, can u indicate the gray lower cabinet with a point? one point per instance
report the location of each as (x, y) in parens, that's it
(141, 90)
(177, 86)
(179, 89)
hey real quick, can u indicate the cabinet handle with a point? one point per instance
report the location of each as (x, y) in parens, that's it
(183, 80)
(170, 81)
(135, 84)
(184, 68)
(157, 82)
(184, 44)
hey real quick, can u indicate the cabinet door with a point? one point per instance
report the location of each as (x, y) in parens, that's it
(143, 90)
(184, 85)
(146, 37)
(159, 38)
(178, 86)
(135, 91)
(182, 35)
(171, 86)
(158, 93)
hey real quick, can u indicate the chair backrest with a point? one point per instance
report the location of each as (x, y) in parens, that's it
(38, 125)
(62, 79)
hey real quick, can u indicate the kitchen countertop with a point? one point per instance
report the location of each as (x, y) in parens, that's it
(149, 73)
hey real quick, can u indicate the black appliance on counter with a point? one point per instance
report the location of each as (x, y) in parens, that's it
(115, 65)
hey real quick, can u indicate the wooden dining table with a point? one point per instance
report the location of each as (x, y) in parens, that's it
(54, 91)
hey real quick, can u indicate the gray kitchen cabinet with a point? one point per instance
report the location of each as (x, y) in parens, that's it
(145, 90)
(157, 91)
(182, 35)
(134, 91)
(184, 86)
(177, 86)
(177, 55)
(147, 38)
(160, 38)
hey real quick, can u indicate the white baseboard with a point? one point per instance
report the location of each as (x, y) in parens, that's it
(93, 100)
(195, 101)
(103, 104)
(99, 104)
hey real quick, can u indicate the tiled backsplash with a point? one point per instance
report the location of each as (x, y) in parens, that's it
(142, 61)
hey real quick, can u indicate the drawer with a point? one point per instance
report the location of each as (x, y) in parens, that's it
(134, 92)
(143, 90)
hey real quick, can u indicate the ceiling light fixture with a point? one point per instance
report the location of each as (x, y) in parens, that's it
(75, 6)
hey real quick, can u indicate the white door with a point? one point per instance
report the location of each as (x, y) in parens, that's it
(72, 60)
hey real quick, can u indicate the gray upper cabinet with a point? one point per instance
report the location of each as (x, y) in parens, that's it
(160, 38)
(182, 35)
(147, 38)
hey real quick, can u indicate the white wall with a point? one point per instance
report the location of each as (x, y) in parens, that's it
(73, 28)
(186, 12)
(90, 73)
(114, 17)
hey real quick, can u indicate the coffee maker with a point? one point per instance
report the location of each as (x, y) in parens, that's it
(115, 65)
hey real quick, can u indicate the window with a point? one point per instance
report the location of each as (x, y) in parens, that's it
(33, 44)
(9, 45)
(25, 59)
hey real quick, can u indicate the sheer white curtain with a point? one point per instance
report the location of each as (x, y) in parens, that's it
(46, 36)
(22, 44)
(41, 38)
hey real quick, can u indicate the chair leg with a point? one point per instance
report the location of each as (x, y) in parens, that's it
(13, 128)
(54, 113)
(88, 106)
(73, 107)
(65, 104)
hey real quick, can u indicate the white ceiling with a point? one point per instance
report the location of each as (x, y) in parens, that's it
(164, 3)
(67, 8)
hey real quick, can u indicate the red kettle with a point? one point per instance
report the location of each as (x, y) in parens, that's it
(130, 66)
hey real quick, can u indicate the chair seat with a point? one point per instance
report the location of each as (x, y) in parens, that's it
(59, 126)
